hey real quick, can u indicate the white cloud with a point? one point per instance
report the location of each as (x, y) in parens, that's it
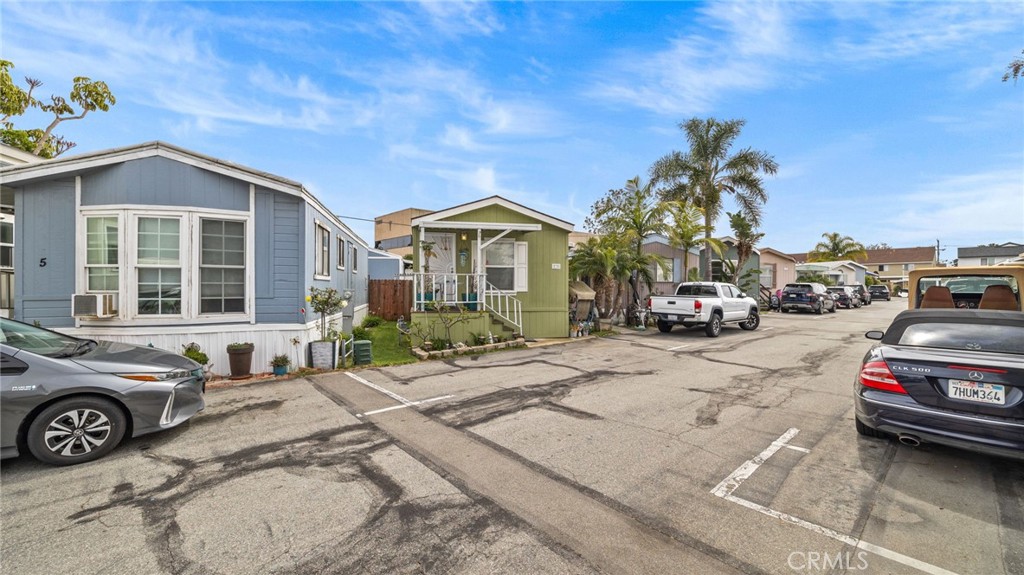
(971, 207)
(462, 18)
(696, 70)
(901, 30)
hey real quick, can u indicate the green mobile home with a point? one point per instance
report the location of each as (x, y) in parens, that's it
(503, 262)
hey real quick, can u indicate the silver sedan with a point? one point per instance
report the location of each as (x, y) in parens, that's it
(69, 400)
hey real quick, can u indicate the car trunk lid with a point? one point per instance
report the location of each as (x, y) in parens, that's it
(974, 382)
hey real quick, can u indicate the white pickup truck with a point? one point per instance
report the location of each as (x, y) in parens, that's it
(705, 303)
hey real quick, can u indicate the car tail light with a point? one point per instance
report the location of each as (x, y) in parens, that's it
(813, 297)
(648, 303)
(697, 305)
(876, 374)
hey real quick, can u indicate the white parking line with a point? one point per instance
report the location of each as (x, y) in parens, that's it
(677, 347)
(743, 472)
(393, 396)
(403, 406)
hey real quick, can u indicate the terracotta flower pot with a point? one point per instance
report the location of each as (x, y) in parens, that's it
(240, 361)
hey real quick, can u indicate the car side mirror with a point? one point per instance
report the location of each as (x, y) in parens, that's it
(743, 294)
(875, 334)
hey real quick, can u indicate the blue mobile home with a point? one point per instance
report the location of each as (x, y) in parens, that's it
(155, 244)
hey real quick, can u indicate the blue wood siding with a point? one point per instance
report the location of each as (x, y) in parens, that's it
(46, 229)
(279, 290)
(163, 182)
(345, 279)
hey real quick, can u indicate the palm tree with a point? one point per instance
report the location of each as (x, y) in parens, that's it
(835, 247)
(746, 241)
(706, 172)
(687, 232)
(595, 261)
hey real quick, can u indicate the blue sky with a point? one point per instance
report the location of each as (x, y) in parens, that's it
(890, 122)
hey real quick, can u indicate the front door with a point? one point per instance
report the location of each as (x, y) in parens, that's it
(437, 252)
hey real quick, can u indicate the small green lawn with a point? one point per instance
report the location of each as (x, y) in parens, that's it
(386, 350)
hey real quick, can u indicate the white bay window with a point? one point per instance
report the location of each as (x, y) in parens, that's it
(168, 265)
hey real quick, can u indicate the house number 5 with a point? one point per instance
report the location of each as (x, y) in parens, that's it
(42, 262)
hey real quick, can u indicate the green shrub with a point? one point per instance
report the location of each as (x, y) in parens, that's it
(439, 343)
(372, 321)
(192, 351)
(360, 333)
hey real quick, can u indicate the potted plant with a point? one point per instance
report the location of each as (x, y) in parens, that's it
(327, 302)
(280, 363)
(240, 359)
(193, 352)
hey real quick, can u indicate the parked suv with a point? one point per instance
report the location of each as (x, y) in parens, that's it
(879, 291)
(862, 293)
(807, 296)
(845, 297)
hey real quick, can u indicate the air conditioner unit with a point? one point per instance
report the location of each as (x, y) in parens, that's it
(94, 305)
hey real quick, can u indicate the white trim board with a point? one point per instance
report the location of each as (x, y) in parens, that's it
(493, 201)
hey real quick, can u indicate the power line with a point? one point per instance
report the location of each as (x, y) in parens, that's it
(372, 220)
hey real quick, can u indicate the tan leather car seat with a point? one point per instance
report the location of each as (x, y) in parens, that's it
(998, 297)
(937, 296)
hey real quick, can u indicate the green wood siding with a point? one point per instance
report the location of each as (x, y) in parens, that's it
(546, 301)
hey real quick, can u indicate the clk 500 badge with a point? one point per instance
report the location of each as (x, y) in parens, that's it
(912, 369)
(23, 388)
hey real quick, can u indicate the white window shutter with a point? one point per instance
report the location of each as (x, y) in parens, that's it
(521, 260)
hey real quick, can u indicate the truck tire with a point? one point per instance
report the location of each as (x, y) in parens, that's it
(714, 325)
(664, 327)
(753, 320)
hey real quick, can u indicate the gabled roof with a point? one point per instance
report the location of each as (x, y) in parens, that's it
(75, 164)
(777, 253)
(901, 255)
(493, 201)
(888, 256)
(9, 155)
(1005, 249)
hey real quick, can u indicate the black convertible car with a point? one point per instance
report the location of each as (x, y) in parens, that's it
(949, 376)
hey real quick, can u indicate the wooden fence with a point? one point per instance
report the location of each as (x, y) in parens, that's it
(391, 298)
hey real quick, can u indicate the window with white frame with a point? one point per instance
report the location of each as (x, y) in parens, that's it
(323, 251)
(666, 273)
(158, 265)
(102, 261)
(355, 259)
(7, 243)
(341, 253)
(178, 264)
(222, 267)
(505, 265)
(881, 267)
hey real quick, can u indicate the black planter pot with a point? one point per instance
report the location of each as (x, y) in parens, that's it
(240, 361)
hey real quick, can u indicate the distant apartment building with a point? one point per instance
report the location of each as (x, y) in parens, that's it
(393, 232)
(989, 255)
(891, 265)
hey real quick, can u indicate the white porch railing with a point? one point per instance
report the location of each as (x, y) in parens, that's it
(462, 289)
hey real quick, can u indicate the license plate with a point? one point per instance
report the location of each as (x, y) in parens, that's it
(977, 391)
(673, 317)
(792, 295)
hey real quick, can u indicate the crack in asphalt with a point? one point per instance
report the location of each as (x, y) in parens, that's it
(496, 404)
(459, 526)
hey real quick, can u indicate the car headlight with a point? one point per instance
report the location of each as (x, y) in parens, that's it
(165, 376)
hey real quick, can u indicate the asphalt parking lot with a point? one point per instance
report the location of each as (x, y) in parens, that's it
(639, 453)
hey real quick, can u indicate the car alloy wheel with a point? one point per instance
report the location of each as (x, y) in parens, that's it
(76, 430)
(753, 320)
(713, 327)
